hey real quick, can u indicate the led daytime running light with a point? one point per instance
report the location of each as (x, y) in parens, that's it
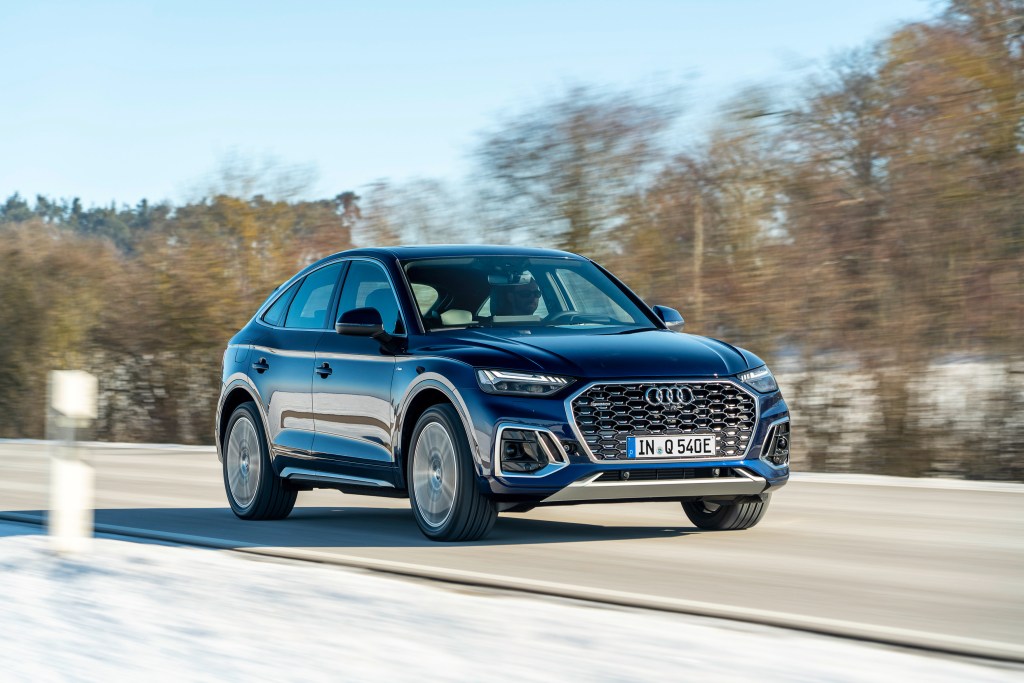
(757, 373)
(519, 383)
(760, 379)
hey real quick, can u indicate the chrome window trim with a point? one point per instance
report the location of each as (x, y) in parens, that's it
(272, 299)
(280, 293)
(727, 380)
(768, 437)
(347, 259)
(283, 288)
(550, 468)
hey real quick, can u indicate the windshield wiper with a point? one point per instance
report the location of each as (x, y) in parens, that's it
(632, 330)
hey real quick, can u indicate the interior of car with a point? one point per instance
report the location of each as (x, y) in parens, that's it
(461, 296)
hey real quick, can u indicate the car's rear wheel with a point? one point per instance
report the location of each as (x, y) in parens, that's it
(254, 489)
(715, 516)
(446, 502)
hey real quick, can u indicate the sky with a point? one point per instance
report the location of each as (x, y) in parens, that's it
(117, 101)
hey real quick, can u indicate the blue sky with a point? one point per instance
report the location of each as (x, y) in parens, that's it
(116, 101)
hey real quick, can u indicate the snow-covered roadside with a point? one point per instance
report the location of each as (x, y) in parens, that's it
(132, 611)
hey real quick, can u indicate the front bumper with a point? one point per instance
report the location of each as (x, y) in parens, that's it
(582, 478)
(633, 482)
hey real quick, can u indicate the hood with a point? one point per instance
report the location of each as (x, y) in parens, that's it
(646, 354)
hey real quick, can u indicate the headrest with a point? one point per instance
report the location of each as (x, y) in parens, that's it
(456, 317)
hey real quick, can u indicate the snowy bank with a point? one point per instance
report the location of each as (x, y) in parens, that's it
(129, 611)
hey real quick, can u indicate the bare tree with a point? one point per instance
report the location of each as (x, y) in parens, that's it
(564, 167)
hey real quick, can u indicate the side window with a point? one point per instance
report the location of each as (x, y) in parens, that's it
(367, 286)
(275, 314)
(587, 298)
(309, 308)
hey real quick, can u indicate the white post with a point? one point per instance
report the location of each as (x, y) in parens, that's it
(72, 406)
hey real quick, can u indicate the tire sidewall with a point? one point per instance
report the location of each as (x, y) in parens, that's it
(247, 410)
(447, 418)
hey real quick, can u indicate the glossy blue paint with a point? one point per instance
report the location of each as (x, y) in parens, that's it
(353, 420)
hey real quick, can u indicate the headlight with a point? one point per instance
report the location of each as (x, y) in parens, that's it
(760, 379)
(520, 383)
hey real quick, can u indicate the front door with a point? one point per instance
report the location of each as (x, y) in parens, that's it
(354, 413)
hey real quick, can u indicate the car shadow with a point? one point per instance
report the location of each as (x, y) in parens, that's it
(341, 527)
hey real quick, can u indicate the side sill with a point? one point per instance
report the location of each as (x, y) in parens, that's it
(331, 479)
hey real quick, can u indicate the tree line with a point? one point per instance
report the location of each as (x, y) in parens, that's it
(865, 235)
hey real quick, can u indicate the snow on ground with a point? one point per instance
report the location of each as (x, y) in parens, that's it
(138, 611)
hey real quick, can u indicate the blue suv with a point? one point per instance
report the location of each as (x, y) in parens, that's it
(479, 379)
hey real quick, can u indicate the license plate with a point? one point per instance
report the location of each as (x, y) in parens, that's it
(675, 446)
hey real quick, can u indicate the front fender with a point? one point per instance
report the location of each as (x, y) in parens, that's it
(450, 378)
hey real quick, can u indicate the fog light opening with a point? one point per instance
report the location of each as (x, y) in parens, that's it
(777, 446)
(524, 451)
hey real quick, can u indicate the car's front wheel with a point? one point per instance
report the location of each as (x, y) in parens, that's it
(254, 489)
(714, 516)
(446, 502)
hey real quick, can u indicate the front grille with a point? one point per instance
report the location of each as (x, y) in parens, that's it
(606, 414)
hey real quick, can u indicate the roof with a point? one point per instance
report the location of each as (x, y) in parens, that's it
(438, 251)
(441, 250)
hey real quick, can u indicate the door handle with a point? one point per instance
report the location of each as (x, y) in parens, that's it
(261, 365)
(324, 370)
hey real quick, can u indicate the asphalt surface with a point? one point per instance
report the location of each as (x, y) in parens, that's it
(935, 566)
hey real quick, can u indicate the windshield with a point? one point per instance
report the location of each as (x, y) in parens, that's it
(518, 292)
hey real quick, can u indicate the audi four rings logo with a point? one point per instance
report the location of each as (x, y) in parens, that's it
(668, 396)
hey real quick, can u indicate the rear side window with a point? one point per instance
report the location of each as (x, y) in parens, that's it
(309, 308)
(275, 314)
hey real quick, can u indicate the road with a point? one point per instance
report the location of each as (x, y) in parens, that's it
(939, 567)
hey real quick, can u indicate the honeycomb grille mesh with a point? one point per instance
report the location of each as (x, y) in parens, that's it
(606, 414)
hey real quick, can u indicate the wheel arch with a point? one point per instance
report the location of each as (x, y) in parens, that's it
(423, 401)
(235, 397)
(430, 391)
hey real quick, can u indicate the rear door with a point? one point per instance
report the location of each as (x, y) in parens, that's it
(282, 362)
(352, 404)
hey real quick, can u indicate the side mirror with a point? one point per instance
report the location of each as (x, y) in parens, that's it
(366, 322)
(360, 322)
(671, 317)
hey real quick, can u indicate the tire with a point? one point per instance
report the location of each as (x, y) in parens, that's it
(726, 517)
(253, 488)
(443, 491)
